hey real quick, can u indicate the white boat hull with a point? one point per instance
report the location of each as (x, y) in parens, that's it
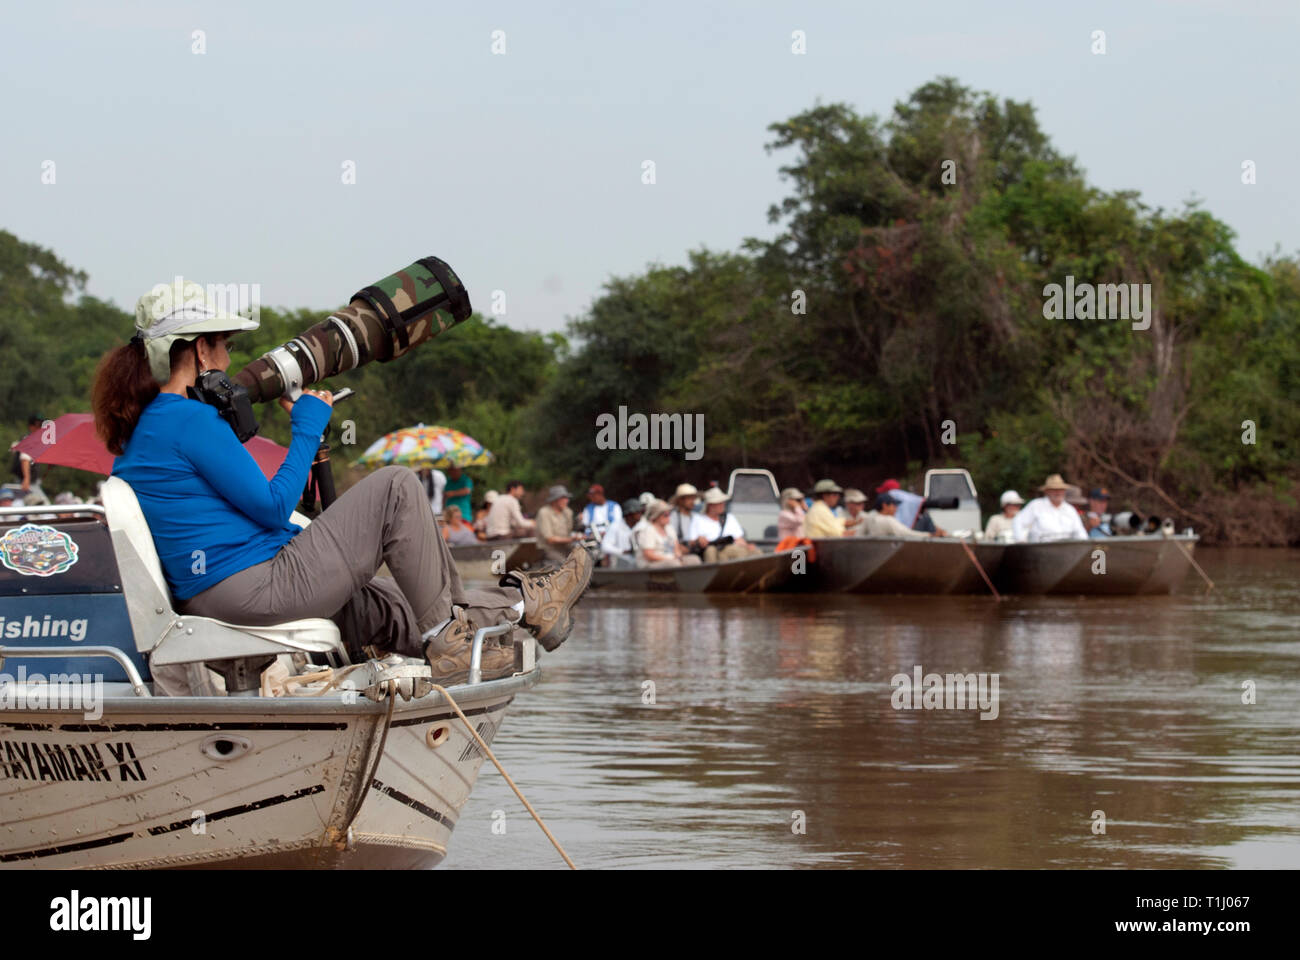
(147, 785)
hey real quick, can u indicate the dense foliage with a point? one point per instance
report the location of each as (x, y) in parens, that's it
(900, 303)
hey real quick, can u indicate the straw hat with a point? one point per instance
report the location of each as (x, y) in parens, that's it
(715, 495)
(684, 490)
(1054, 482)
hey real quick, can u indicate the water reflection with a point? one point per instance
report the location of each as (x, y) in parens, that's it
(765, 707)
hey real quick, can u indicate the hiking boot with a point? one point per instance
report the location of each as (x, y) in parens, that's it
(550, 595)
(450, 651)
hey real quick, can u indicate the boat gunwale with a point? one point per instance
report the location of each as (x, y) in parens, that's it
(247, 708)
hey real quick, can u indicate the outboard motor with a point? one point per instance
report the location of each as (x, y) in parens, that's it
(60, 587)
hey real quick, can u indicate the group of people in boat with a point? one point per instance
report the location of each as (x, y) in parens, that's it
(1048, 517)
(644, 531)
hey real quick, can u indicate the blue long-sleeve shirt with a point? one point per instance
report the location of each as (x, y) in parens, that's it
(211, 510)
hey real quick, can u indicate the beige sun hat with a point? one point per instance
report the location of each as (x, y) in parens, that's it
(684, 490)
(181, 310)
(656, 510)
(1055, 482)
(852, 495)
(715, 495)
(827, 486)
(791, 493)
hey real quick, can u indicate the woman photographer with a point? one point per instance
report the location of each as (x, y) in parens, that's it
(222, 530)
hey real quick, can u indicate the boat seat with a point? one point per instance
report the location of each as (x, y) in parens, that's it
(169, 637)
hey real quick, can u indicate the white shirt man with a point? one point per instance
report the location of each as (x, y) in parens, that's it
(702, 525)
(618, 541)
(600, 517)
(1048, 517)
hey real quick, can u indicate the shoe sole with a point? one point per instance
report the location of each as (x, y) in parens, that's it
(557, 638)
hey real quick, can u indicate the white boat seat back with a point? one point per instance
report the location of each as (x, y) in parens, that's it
(172, 637)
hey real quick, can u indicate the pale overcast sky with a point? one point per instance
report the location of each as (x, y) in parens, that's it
(523, 170)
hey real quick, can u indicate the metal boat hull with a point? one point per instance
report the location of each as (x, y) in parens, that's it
(899, 565)
(1132, 566)
(490, 559)
(761, 573)
(150, 787)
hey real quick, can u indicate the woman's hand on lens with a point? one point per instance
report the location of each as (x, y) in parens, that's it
(287, 405)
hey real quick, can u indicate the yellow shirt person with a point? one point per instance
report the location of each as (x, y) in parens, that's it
(820, 520)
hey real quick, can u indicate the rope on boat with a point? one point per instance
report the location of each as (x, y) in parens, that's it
(379, 755)
(978, 566)
(491, 756)
(1204, 576)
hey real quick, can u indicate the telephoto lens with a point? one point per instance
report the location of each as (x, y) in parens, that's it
(385, 320)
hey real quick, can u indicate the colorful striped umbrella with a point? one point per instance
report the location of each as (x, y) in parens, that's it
(421, 446)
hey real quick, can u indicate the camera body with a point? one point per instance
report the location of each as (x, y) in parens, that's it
(213, 387)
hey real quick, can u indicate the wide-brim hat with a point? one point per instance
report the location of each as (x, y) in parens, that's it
(556, 492)
(647, 498)
(854, 496)
(1011, 496)
(791, 493)
(656, 510)
(827, 486)
(715, 495)
(684, 490)
(633, 506)
(1055, 482)
(181, 310)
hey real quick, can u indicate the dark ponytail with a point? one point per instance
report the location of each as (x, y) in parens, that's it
(123, 388)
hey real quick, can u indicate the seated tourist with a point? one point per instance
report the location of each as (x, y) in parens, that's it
(820, 520)
(881, 521)
(855, 503)
(1049, 517)
(555, 525)
(1097, 518)
(789, 522)
(655, 545)
(715, 534)
(599, 514)
(617, 547)
(505, 519)
(202, 494)
(455, 530)
(481, 514)
(999, 527)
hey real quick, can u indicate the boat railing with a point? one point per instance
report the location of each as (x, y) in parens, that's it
(476, 653)
(113, 653)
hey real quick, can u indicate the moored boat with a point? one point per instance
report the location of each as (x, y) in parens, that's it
(1120, 566)
(760, 573)
(900, 565)
(489, 559)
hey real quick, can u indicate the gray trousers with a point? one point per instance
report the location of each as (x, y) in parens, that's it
(328, 570)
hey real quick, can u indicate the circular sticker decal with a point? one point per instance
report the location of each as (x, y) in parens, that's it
(35, 550)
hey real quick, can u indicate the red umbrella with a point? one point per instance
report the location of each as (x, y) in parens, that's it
(76, 445)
